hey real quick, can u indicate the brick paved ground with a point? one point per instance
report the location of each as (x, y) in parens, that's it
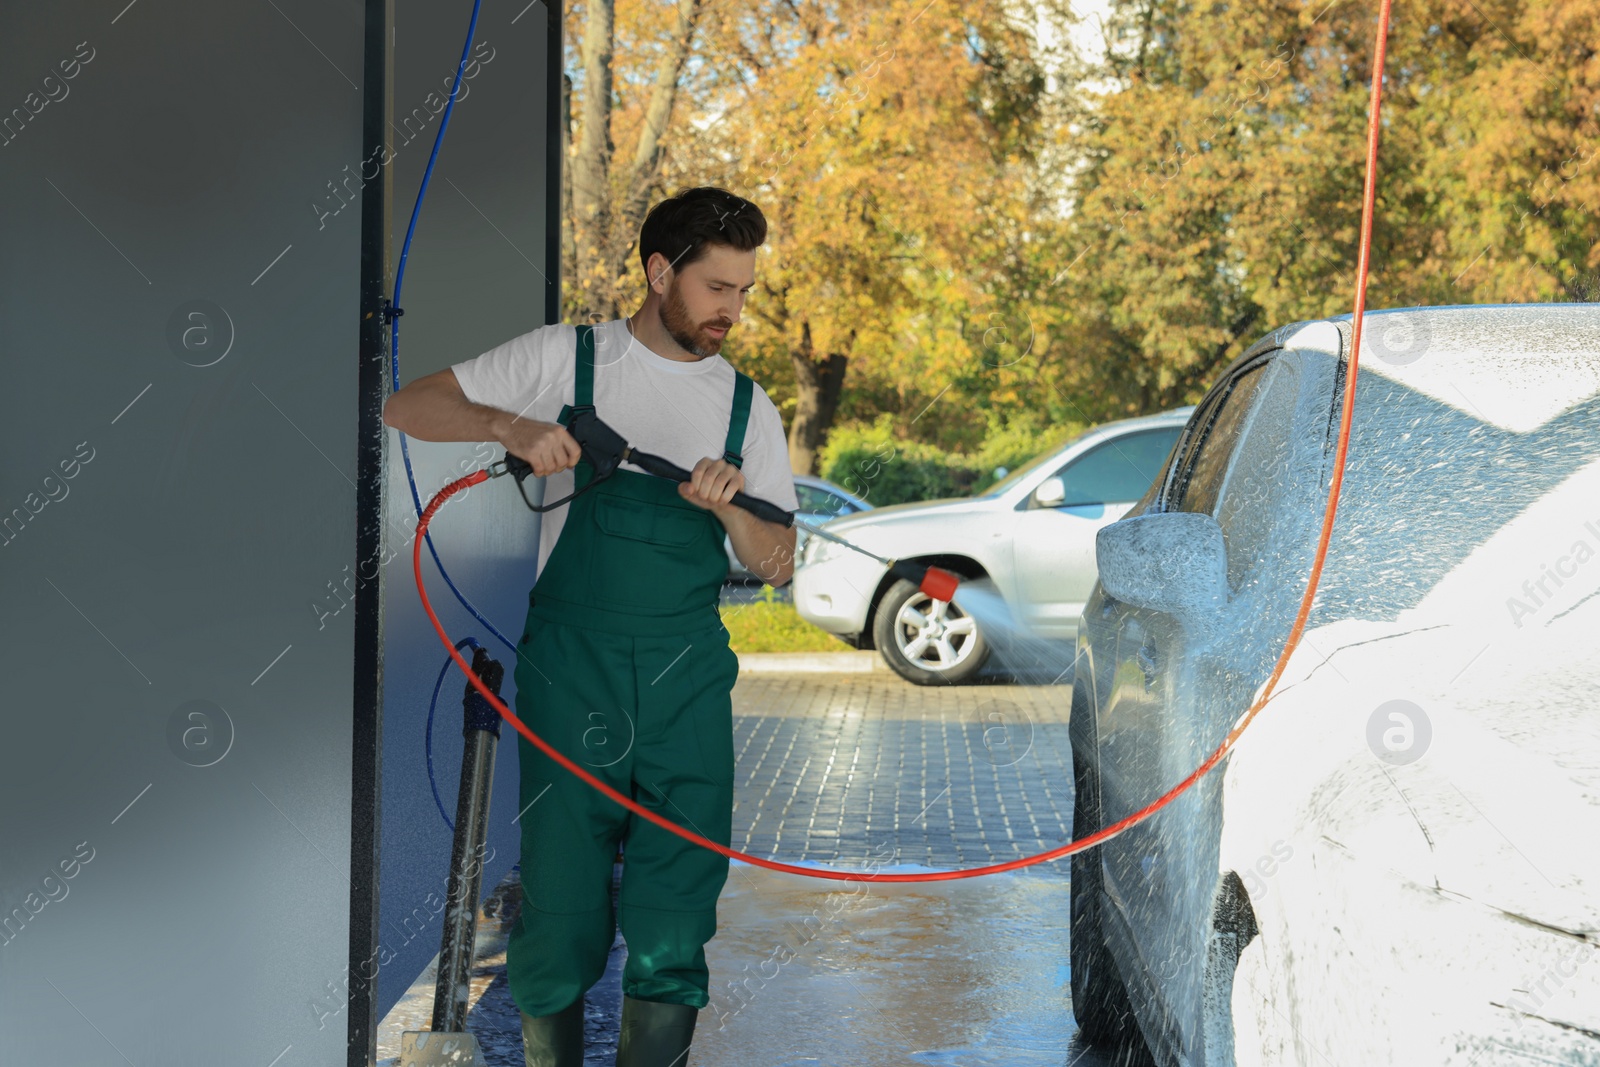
(831, 767)
(842, 769)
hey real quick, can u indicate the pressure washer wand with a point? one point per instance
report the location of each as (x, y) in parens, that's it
(937, 583)
(605, 450)
(665, 468)
(481, 731)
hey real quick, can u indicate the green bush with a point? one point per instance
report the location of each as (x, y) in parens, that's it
(873, 464)
(869, 462)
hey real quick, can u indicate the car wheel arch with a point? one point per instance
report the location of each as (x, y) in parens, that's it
(965, 567)
(1234, 925)
(1232, 911)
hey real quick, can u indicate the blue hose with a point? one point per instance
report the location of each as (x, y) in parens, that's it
(405, 452)
(394, 325)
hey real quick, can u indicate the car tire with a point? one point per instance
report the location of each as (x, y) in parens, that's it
(912, 655)
(1100, 1000)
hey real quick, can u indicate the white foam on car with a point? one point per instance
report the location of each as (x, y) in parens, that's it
(1452, 902)
(1558, 368)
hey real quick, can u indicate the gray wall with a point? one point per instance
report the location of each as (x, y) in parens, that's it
(182, 439)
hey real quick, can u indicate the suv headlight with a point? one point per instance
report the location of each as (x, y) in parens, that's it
(817, 549)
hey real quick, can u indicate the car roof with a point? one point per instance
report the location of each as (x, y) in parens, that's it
(1170, 417)
(1453, 328)
(1515, 366)
(816, 482)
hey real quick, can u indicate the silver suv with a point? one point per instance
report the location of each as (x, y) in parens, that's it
(1032, 536)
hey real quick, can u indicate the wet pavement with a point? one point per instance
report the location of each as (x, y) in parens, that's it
(970, 972)
(864, 772)
(835, 768)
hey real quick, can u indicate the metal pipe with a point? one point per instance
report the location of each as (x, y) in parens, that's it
(481, 730)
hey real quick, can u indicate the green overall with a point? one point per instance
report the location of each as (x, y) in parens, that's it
(624, 668)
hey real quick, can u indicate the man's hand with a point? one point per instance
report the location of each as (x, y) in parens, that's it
(766, 548)
(712, 484)
(546, 446)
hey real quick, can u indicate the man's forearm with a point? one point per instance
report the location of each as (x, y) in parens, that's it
(766, 548)
(433, 409)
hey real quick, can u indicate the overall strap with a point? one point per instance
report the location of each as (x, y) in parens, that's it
(583, 376)
(583, 385)
(738, 419)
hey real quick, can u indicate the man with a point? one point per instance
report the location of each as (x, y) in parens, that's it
(624, 665)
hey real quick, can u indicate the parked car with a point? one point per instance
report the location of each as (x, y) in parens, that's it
(1396, 863)
(1031, 536)
(818, 501)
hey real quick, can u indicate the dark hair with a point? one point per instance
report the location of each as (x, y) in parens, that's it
(681, 226)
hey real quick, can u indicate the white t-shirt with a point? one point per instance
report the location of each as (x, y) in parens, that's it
(674, 409)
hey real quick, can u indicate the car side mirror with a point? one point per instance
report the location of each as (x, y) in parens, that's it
(1051, 492)
(1173, 562)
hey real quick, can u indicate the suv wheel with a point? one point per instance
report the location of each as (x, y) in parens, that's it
(927, 641)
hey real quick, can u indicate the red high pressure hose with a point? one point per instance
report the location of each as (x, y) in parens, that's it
(1108, 832)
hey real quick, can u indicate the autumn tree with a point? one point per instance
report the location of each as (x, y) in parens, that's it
(607, 198)
(958, 243)
(882, 140)
(1221, 178)
(888, 145)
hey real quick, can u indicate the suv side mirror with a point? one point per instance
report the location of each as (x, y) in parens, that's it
(1050, 492)
(1173, 562)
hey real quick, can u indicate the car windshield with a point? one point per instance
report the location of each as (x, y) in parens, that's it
(816, 500)
(1444, 452)
(1427, 483)
(1015, 478)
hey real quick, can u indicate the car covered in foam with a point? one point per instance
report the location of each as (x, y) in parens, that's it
(1396, 864)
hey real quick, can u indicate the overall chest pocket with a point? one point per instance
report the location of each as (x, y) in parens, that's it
(654, 558)
(653, 524)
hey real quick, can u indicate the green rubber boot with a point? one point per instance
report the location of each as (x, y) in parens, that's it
(554, 1040)
(655, 1033)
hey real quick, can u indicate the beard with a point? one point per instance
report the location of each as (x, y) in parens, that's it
(691, 337)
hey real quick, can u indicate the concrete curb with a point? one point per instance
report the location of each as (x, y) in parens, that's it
(808, 662)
